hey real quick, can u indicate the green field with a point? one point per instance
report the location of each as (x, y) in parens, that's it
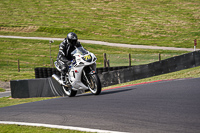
(147, 22)
(8, 101)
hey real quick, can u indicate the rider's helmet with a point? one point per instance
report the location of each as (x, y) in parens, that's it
(72, 38)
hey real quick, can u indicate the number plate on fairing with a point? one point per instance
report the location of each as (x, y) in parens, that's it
(87, 58)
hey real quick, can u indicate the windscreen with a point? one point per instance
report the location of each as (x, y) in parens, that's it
(79, 50)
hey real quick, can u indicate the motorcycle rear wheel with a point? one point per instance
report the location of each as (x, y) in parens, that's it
(95, 84)
(69, 92)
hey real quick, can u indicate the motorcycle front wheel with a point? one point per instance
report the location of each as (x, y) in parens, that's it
(69, 92)
(95, 84)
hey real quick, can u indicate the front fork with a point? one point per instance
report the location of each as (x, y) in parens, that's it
(90, 73)
(84, 74)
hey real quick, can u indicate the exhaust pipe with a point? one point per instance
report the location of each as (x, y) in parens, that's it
(54, 76)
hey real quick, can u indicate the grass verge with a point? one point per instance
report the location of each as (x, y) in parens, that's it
(8, 101)
(5, 128)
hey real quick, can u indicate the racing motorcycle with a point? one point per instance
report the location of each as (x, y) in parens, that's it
(81, 75)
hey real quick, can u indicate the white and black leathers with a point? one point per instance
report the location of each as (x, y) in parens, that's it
(64, 55)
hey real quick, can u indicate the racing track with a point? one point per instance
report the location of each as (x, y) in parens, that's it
(167, 106)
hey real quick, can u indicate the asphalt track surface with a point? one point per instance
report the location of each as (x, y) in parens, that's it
(168, 106)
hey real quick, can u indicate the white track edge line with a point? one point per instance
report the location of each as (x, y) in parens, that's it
(59, 127)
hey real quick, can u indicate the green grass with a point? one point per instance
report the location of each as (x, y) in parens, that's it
(7, 101)
(2, 90)
(36, 53)
(29, 129)
(161, 23)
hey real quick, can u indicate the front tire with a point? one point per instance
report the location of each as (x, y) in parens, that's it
(69, 92)
(95, 84)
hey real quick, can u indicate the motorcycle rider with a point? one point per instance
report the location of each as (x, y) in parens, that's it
(64, 57)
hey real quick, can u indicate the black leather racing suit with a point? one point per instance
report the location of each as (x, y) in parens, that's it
(64, 55)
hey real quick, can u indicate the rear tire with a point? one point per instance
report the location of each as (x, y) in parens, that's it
(69, 92)
(95, 84)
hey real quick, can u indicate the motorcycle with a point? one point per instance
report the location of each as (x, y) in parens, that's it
(81, 75)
